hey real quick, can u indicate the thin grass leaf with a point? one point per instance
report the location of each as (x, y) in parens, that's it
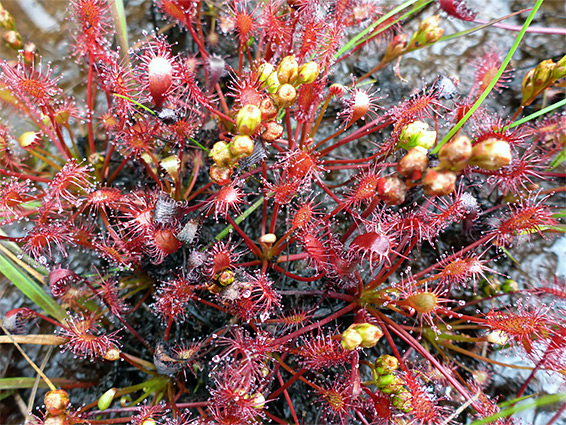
(493, 82)
(541, 401)
(27, 382)
(30, 288)
(240, 218)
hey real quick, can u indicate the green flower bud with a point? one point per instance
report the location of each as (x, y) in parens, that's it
(248, 119)
(272, 83)
(527, 87)
(225, 278)
(385, 364)
(559, 70)
(6, 19)
(385, 380)
(241, 146)
(416, 134)
(491, 154)
(394, 387)
(288, 70)
(497, 337)
(106, 399)
(370, 334)
(543, 74)
(220, 175)
(509, 286)
(395, 48)
(308, 73)
(264, 71)
(428, 33)
(351, 339)
(272, 132)
(402, 401)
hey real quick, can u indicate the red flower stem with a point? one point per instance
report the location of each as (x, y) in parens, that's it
(117, 170)
(447, 312)
(220, 114)
(404, 335)
(168, 329)
(372, 206)
(354, 161)
(288, 399)
(89, 102)
(382, 278)
(450, 346)
(152, 174)
(110, 421)
(363, 131)
(299, 332)
(297, 277)
(289, 130)
(275, 418)
(62, 146)
(332, 136)
(198, 192)
(347, 167)
(558, 415)
(208, 303)
(249, 263)
(287, 384)
(222, 99)
(251, 245)
(49, 319)
(104, 170)
(292, 372)
(240, 58)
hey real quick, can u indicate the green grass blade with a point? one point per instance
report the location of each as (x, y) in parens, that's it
(494, 81)
(26, 382)
(541, 401)
(240, 218)
(30, 288)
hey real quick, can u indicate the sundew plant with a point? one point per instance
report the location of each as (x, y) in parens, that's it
(218, 225)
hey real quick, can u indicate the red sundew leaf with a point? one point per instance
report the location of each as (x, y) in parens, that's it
(458, 9)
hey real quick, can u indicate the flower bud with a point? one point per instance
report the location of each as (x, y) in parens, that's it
(248, 119)
(395, 48)
(220, 175)
(272, 83)
(491, 154)
(160, 77)
(268, 109)
(439, 183)
(559, 70)
(543, 74)
(509, 285)
(308, 72)
(413, 164)
(264, 71)
(527, 87)
(285, 96)
(288, 70)
(392, 190)
(222, 156)
(272, 132)
(241, 146)
(428, 33)
(455, 155)
(56, 402)
(416, 134)
(402, 401)
(225, 278)
(257, 401)
(386, 364)
(385, 380)
(394, 387)
(370, 334)
(351, 339)
(6, 19)
(106, 399)
(13, 39)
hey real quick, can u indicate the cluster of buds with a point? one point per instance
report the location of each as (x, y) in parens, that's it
(428, 33)
(363, 335)
(281, 83)
(386, 379)
(56, 404)
(226, 155)
(540, 78)
(395, 48)
(12, 37)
